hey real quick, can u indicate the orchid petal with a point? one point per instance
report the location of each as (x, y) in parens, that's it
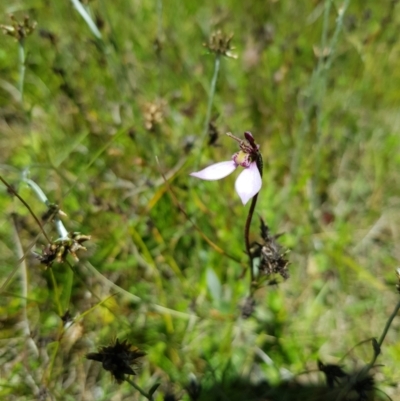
(216, 171)
(248, 183)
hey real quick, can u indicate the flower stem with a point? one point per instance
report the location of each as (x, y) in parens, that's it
(14, 192)
(56, 292)
(87, 18)
(259, 162)
(213, 87)
(62, 231)
(159, 45)
(38, 191)
(383, 335)
(363, 373)
(22, 67)
(144, 394)
(25, 288)
(247, 239)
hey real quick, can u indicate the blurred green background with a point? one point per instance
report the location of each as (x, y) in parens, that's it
(101, 101)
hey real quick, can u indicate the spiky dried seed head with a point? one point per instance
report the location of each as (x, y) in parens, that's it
(119, 358)
(61, 247)
(220, 44)
(19, 30)
(272, 256)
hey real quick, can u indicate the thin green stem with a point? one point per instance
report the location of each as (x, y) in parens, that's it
(213, 87)
(62, 231)
(385, 331)
(377, 350)
(259, 162)
(22, 67)
(159, 17)
(24, 289)
(14, 192)
(159, 43)
(38, 191)
(317, 88)
(247, 239)
(56, 292)
(324, 66)
(48, 372)
(324, 35)
(24, 278)
(339, 25)
(87, 18)
(144, 394)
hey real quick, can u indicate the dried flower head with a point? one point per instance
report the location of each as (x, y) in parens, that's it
(61, 247)
(153, 114)
(357, 386)
(364, 387)
(220, 43)
(19, 30)
(332, 373)
(271, 254)
(118, 358)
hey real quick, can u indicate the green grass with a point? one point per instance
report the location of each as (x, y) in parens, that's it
(319, 92)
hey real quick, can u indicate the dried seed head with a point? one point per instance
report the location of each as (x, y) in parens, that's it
(220, 43)
(357, 385)
(271, 254)
(272, 257)
(19, 30)
(153, 114)
(364, 386)
(61, 247)
(331, 372)
(119, 358)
